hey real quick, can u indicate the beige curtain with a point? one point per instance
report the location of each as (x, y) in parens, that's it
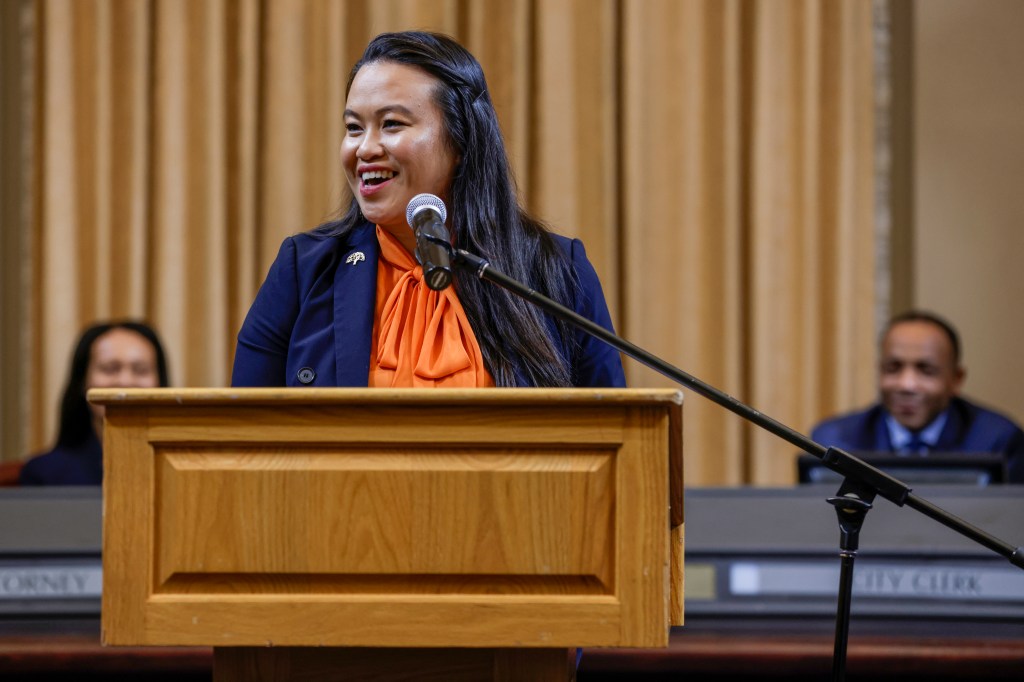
(715, 156)
(747, 191)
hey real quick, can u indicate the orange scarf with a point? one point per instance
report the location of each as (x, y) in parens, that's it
(421, 337)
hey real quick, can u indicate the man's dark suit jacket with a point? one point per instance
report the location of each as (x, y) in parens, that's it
(969, 428)
(312, 319)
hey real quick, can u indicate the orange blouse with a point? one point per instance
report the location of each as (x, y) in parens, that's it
(421, 337)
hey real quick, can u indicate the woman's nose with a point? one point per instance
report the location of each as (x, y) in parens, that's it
(128, 377)
(370, 146)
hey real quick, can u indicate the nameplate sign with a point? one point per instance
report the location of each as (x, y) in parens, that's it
(803, 579)
(51, 582)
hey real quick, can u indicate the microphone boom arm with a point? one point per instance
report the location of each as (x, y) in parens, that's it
(852, 468)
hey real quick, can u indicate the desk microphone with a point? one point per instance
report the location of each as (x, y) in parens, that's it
(426, 215)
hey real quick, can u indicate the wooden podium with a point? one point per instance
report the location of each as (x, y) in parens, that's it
(359, 534)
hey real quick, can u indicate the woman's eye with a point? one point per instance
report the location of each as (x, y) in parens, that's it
(352, 127)
(391, 123)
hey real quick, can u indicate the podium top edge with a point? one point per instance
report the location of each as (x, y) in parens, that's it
(325, 396)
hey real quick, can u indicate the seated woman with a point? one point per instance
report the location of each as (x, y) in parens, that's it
(108, 355)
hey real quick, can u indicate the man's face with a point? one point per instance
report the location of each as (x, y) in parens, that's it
(918, 373)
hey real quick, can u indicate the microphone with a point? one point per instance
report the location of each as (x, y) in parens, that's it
(426, 215)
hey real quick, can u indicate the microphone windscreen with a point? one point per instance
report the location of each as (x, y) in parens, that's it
(421, 200)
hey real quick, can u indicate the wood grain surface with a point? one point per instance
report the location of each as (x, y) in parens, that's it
(348, 517)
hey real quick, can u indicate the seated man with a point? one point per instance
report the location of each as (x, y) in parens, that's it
(920, 377)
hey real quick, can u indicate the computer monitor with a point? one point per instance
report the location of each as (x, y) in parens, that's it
(968, 468)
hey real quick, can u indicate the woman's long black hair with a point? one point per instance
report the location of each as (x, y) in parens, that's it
(485, 217)
(75, 417)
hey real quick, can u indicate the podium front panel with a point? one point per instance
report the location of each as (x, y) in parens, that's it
(341, 517)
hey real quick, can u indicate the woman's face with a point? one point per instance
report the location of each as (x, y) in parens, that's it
(121, 358)
(395, 145)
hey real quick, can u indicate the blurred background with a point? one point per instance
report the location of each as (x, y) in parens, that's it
(759, 183)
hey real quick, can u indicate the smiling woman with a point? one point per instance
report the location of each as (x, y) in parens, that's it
(346, 304)
(395, 145)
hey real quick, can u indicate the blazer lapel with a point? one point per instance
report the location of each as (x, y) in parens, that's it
(882, 442)
(355, 291)
(956, 423)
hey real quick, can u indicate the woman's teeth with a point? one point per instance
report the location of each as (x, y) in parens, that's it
(376, 177)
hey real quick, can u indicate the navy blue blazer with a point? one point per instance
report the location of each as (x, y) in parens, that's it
(312, 318)
(82, 465)
(969, 428)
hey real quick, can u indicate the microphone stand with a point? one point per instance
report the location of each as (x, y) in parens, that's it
(861, 481)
